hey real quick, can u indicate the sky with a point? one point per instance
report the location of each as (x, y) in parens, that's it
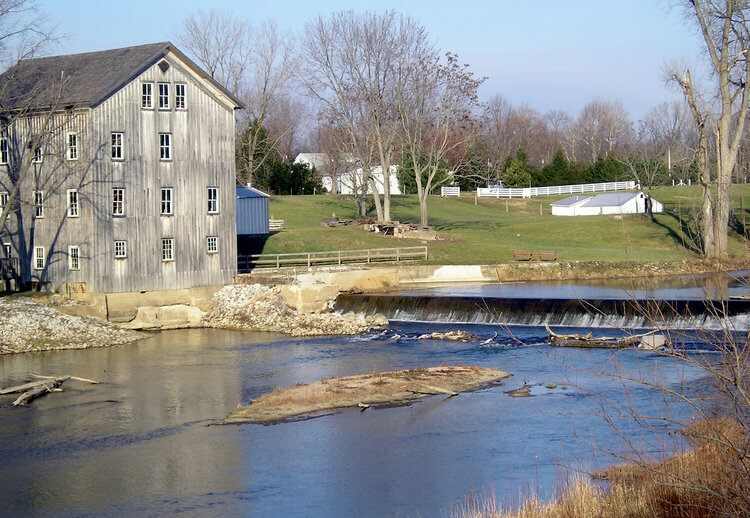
(549, 54)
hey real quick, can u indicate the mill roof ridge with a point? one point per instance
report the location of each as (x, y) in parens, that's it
(91, 77)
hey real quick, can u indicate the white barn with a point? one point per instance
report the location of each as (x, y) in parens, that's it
(349, 176)
(602, 204)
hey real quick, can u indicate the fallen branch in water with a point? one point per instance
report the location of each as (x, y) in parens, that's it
(44, 386)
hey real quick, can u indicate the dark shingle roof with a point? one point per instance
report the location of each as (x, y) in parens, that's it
(90, 78)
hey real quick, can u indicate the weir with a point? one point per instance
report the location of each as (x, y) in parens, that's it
(733, 315)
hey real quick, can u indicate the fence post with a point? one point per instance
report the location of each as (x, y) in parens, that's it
(368, 256)
(339, 257)
(278, 261)
(308, 259)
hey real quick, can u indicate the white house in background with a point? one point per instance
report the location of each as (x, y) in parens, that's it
(608, 203)
(350, 174)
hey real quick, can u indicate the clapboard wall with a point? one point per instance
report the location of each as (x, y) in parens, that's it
(202, 156)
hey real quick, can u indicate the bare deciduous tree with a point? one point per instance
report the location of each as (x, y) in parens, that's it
(601, 128)
(354, 66)
(723, 24)
(436, 108)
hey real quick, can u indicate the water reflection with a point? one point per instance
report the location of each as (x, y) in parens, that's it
(715, 286)
(140, 444)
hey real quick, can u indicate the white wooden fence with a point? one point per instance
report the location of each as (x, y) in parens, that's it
(528, 192)
(450, 191)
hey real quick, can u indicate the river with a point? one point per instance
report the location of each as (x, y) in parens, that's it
(141, 442)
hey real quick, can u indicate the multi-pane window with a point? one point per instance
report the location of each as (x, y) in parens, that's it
(39, 258)
(165, 146)
(163, 96)
(212, 244)
(72, 203)
(38, 204)
(3, 200)
(179, 96)
(167, 249)
(118, 201)
(74, 254)
(72, 146)
(166, 201)
(116, 146)
(3, 151)
(213, 200)
(121, 249)
(147, 95)
(36, 158)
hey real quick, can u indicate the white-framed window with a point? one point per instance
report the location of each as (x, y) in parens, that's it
(74, 258)
(7, 250)
(38, 204)
(118, 201)
(36, 157)
(116, 145)
(147, 97)
(163, 96)
(4, 156)
(213, 200)
(212, 244)
(121, 249)
(3, 200)
(165, 146)
(167, 249)
(179, 96)
(166, 202)
(39, 258)
(72, 203)
(71, 140)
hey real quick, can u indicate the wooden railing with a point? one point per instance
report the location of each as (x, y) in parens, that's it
(246, 263)
(528, 192)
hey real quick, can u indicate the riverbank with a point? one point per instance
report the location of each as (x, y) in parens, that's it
(255, 307)
(364, 391)
(27, 326)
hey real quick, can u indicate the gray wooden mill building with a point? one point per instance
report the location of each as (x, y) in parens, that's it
(117, 169)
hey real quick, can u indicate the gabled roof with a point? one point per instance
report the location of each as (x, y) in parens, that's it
(250, 192)
(90, 78)
(610, 199)
(570, 200)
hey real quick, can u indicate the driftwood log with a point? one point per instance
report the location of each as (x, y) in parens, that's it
(44, 386)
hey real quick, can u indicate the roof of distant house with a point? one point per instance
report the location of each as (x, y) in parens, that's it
(570, 200)
(89, 78)
(250, 192)
(610, 199)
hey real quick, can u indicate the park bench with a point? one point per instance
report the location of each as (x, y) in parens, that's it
(522, 255)
(547, 255)
(274, 225)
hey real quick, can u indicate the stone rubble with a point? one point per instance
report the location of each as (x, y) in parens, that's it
(260, 308)
(27, 326)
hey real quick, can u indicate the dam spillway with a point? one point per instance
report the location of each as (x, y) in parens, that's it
(626, 313)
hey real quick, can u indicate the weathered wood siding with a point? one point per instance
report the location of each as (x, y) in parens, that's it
(202, 149)
(54, 176)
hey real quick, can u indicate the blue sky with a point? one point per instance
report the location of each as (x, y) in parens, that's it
(550, 54)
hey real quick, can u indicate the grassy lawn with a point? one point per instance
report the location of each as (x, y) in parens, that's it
(491, 230)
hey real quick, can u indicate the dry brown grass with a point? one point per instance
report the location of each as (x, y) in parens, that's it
(712, 479)
(375, 389)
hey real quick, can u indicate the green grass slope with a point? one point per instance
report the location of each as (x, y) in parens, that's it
(490, 230)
